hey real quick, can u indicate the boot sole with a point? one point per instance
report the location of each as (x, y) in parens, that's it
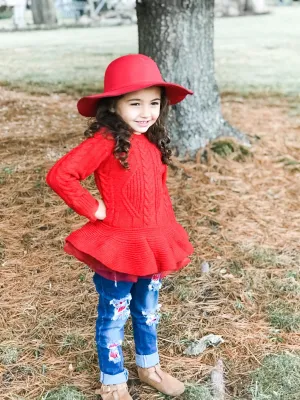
(178, 393)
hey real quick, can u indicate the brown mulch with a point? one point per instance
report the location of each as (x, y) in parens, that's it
(243, 218)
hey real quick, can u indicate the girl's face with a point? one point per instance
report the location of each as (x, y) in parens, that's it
(140, 109)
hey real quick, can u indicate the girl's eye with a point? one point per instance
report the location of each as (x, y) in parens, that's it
(155, 103)
(135, 104)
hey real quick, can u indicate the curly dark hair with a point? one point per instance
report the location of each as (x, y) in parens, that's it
(157, 133)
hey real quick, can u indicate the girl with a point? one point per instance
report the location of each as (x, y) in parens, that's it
(132, 239)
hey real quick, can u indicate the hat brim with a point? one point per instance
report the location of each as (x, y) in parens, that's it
(87, 106)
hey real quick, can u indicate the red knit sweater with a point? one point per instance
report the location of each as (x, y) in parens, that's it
(139, 236)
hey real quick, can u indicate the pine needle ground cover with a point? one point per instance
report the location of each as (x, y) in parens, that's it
(241, 209)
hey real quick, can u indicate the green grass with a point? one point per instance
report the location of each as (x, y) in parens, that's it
(198, 392)
(278, 378)
(264, 257)
(61, 61)
(192, 392)
(64, 393)
(182, 292)
(8, 355)
(72, 341)
(282, 315)
(226, 147)
(52, 70)
(235, 267)
(2, 251)
(32, 86)
(289, 286)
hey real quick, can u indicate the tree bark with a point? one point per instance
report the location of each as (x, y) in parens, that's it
(43, 12)
(179, 36)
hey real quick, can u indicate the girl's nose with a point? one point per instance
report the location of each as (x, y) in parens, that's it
(145, 112)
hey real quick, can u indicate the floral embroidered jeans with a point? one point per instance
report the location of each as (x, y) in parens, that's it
(117, 300)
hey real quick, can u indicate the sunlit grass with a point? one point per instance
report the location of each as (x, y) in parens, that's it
(277, 379)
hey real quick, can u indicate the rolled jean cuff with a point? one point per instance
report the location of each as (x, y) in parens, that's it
(108, 379)
(147, 361)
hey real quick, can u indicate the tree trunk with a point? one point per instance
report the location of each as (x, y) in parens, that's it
(179, 36)
(43, 12)
(37, 10)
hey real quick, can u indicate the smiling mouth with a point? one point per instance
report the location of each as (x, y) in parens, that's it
(142, 122)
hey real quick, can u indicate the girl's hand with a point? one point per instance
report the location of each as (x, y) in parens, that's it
(101, 212)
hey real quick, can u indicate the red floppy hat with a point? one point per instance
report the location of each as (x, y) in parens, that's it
(128, 74)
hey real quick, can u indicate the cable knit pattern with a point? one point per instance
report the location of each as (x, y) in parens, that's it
(147, 167)
(140, 235)
(133, 185)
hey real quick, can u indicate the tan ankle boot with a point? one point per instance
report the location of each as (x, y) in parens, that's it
(161, 381)
(114, 392)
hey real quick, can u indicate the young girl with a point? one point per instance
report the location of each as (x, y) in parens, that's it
(132, 239)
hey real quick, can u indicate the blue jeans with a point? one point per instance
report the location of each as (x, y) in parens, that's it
(117, 300)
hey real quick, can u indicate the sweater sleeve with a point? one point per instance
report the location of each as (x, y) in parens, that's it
(65, 175)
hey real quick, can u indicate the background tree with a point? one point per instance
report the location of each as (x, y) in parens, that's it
(43, 12)
(179, 36)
